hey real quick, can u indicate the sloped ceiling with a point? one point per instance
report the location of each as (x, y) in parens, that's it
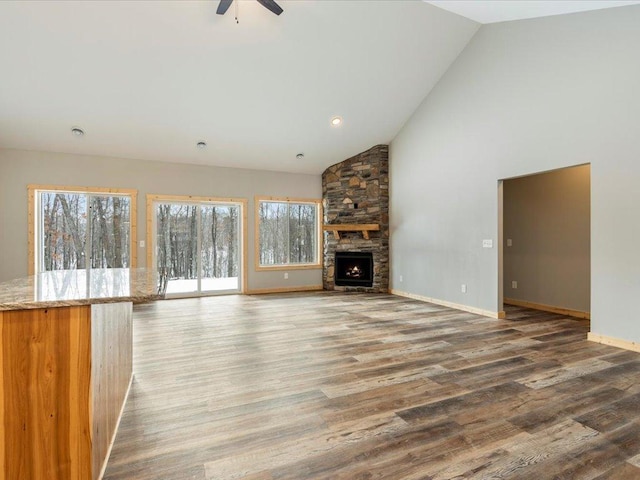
(150, 79)
(493, 11)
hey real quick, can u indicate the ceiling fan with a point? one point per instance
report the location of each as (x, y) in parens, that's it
(268, 4)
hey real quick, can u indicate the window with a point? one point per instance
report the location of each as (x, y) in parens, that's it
(78, 228)
(198, 242)
(288, 233)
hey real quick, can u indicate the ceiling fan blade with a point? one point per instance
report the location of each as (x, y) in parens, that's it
(271, 5)
(223, 6)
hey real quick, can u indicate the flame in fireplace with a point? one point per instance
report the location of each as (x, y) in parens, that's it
(354, 272)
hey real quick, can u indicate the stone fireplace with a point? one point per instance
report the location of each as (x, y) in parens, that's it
(356, 222)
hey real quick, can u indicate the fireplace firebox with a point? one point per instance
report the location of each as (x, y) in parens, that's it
(354, 269)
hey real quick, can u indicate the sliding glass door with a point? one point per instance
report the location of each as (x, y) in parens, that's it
(220, 244)
(197, 244)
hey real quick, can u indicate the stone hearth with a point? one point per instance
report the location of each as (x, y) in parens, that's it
(356, 191)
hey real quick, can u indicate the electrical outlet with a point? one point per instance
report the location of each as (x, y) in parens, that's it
(514, 284)
(141, 243)
(488, 243)
(509, 242)
(286, 275)
(463, 288)
(401, 278)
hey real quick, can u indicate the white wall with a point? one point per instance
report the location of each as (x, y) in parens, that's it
(19, 168)
(523, 97)
(547, 218)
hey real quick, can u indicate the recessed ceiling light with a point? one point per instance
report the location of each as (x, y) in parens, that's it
(201, 145)
(336, 121)
(300, 156)
(77, 131)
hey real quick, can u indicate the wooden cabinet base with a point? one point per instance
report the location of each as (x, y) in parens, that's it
(64, 376)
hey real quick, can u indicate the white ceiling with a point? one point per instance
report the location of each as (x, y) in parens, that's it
(149, 79)
(493, 11)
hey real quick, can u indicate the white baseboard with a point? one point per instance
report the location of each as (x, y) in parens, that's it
(548, 308)
(444, 303)
(614, 342)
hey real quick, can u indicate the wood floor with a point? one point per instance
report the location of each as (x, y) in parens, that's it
(357, 386)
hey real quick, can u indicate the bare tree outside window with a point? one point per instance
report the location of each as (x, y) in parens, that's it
(80, 230)
(288, 233)
(302, 233)
(220, 237)
(177, 240)
(109, 232)
(198, 242)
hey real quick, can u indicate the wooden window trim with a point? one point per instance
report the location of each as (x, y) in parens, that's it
(152, 197)
(31, 216)
(320, 236)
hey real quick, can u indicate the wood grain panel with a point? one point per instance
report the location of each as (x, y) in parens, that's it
(111, 371)
(2, 402)
(265, 291)
(45, 393)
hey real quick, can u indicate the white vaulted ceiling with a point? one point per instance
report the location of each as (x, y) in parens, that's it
(493, 11)
(148, 80)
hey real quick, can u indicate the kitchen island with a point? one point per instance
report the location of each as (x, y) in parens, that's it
(66, 369)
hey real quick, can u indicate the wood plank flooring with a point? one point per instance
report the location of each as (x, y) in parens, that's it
(331, 385)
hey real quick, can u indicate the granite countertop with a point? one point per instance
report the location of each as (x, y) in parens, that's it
(72, 287)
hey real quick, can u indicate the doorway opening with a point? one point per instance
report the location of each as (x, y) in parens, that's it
(544, 241)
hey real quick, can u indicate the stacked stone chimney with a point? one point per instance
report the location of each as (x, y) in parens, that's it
(356, 191)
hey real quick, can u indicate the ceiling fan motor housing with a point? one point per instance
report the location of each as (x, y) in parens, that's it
(270, 5)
